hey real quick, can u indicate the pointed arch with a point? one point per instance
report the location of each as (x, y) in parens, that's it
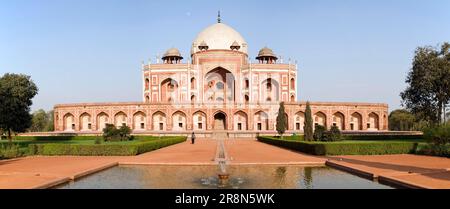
(179, 121)
(147, 84)
(139, 121)
(120, 119)
(169, 90)
(261, 121)
(159, 121)
(373, 122)
(219, 85)
(69, 122)
(355, 121)
(220, 120)
(270, 90)
(85, 122)
(299, 121)
(199, 120)
(193, 83)
(320, 118)
(102, 120)
(240, 119)
(339, 120)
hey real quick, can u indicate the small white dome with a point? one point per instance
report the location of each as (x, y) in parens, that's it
(219, 36)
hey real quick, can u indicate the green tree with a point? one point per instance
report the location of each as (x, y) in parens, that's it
(428, 81)
(16, 94)
(281, 120)
(124, 133)
(308, 128)
(50, 123)
(320, 133)
(40, 121)
(110, 132)
(401, 120)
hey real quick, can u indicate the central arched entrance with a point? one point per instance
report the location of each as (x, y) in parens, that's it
(220, 121)
(220, 86)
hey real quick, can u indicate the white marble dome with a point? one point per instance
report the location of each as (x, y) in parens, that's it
(219, 36)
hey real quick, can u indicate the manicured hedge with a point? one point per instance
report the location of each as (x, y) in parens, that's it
(128, 149)
(433, 150)
(382, 136)
(344, 147)
(55, 138)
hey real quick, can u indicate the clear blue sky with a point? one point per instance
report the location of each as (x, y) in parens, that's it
(90, 51)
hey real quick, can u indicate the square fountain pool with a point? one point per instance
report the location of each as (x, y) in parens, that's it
(206, 177)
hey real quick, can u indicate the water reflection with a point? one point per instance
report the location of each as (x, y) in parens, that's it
(205, 177)
(307, 177)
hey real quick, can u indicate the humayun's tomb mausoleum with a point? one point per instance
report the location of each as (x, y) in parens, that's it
(219, 88)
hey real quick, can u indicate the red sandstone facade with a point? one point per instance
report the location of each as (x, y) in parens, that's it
(217, 88)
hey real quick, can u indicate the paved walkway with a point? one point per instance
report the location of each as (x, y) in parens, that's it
(251, 152)
(202, 152)
(44, 172)
(413, 171)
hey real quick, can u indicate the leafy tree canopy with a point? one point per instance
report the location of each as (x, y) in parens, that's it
(16, 94)
(428, 83)
(401, 120)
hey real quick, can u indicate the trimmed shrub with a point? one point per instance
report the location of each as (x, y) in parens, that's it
(125, 133)
(8, 151)
(118, 149)
(380, 136)
(438, 138)
(430, 149)
(439, 135)
(334, 134)
(344, 148)
(54, 138)
(319, 132)
(111, 133)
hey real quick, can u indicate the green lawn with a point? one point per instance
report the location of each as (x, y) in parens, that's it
(138, 145)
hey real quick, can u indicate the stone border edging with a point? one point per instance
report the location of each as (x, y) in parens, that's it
(78, 175)
(354, 171)
(53, 183)
(391, 181)
(401, 183)
(94, 170)
(170, 164)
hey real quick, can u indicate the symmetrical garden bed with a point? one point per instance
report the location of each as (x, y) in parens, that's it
(86, 146)
(346, 147)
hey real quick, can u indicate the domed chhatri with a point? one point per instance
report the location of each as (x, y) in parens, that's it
(219, 37)
(172, 56)
(267, 56)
